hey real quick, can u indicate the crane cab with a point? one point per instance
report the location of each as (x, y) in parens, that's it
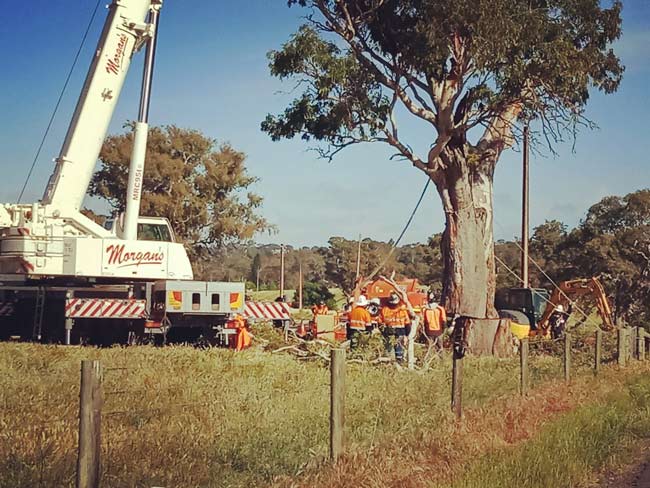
(149, 229)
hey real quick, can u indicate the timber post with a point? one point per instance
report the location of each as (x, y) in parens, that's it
(567, 356)
(457, 387)
(90, 416)
(620, 347)
(458, 352)
(337, 404)
(599, 349)
(523, 365)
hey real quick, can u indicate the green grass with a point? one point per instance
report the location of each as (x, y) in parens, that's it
(568, 451)
(184, 417)
(179, 416)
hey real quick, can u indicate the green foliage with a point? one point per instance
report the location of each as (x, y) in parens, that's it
(542, 55)
(509, 255)
(422, 261)
(197, 186)
(341, 260)
(465, 69)
(614, 242)
(313, 293)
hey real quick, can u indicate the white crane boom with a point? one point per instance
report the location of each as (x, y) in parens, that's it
(52, 238)
(123, 34)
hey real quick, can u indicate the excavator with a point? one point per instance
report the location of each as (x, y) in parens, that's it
(536, 312)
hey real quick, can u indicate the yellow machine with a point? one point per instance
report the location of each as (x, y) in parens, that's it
(533, 311)
(567, 292)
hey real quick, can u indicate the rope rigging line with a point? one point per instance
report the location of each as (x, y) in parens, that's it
(58, 102)
(408, 223)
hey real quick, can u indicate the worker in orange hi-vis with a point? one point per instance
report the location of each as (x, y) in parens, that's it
(243, 339)
(435, 318)
(396, 322)
(320, 309)
(359, 320)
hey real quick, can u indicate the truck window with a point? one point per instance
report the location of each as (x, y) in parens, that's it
(196, 301)
(154, 232)
(215, 301)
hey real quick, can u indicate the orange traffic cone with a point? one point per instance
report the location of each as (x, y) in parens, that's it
(301, 332)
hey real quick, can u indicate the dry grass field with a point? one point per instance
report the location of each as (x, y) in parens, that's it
(186, 417)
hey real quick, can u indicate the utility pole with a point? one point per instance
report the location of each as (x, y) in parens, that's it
(300, 285)
(358, 260)
(257, 280)
(525, 213)
(282, 270)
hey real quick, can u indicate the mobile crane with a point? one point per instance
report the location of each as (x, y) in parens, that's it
(57, 263)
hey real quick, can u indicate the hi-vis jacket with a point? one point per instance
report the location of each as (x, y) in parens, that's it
(395, 317)
(359, 318)
(434, 320)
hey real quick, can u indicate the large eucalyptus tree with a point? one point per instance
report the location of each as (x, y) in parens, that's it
(469, 70)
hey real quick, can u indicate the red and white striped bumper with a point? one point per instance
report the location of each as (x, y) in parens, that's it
(267, 311)
(105, 308)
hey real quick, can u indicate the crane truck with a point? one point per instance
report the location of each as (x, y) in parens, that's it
(64, 277)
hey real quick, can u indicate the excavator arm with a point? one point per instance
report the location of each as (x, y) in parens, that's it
(566, 293)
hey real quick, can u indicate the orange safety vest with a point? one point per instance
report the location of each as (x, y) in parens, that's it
(359, 318)
(243, 339)
(318, 310)
(434, 320)
(395, 317)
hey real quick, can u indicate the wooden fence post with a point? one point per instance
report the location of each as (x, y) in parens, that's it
(620, 346)
(599, 349)
(523, 364)
(567, 356)
(90, 417)
(457, 386)
(337, 403)
(639, 343)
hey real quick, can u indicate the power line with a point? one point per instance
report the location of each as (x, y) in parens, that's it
(58, 102)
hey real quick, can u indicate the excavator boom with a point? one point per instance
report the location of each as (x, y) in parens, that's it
(566, 293)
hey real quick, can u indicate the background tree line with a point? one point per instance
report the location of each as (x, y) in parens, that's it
(611, 242)
(203, 189)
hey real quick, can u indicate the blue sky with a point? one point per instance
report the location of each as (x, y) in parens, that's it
(212, 74)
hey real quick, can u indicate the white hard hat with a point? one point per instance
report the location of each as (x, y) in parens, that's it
(559, 308)
(362, 301)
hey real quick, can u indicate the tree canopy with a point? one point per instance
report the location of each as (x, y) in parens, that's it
(199, 187)
(455, 65)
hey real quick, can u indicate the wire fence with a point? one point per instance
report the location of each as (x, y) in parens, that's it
(117, 409)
